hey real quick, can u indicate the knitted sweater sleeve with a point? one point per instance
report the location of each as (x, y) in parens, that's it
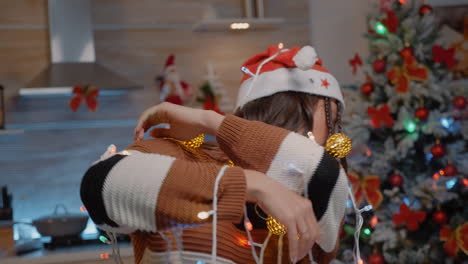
(152, 191)
(295, 161)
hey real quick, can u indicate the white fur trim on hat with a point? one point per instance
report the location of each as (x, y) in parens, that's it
(305, 58)
(284, 79)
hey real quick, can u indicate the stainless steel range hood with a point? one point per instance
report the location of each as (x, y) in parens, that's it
(73, 58)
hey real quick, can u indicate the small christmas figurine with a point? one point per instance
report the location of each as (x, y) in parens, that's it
(172, 88)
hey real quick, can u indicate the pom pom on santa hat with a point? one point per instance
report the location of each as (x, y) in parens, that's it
(305, 58)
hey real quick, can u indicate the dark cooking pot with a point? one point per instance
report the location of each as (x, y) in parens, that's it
(60, 225)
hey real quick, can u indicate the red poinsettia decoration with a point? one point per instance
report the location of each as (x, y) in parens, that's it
(210, 104)
(408, 217)
(380, 116)
(366, 187)
(355, 62)
(208, 98)
(455, 241)
(409, 71)
(88, 93)
(391, 22)
(446, 56)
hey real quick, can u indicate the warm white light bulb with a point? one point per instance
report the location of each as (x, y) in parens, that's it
(237, 25)
(203, 215)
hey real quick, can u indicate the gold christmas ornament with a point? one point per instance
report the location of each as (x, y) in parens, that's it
(275, 227)
(193, 146)
(195, 142)
(338, 145)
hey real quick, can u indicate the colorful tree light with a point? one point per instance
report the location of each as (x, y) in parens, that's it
(374, 221)
(380, 28)
(367, 231)
(410, 126)
(103, 239)
(451, 183)
(248, 226)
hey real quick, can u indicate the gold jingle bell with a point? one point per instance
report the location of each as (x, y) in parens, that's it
(338, 145)
(275, 227)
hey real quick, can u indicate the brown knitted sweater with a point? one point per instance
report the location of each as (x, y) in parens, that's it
(156, 193)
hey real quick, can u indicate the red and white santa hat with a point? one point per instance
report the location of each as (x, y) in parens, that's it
(280, 70)
(169, 61)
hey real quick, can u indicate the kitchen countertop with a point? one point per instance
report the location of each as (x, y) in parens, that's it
(73, 254)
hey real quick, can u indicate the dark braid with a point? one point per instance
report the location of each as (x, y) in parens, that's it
(339, 110)
(330, 126)
(338, 116)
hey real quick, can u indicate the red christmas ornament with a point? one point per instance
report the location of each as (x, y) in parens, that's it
(421, 113)
(460, 102)
(342, 233)
(379, 65)
(438, 151)
(425, 9)
(457, 115)
(396, 180)
(391, 22)
(439, 217)
(376, 258)
(367, 88)
(450, 170)
(406, 51)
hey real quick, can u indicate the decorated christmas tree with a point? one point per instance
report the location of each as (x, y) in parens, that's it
(408, 122)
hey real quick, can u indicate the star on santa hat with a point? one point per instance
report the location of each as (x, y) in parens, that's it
(325, 83)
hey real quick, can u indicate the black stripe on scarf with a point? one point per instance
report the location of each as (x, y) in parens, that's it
(322, 183)
(92, 187)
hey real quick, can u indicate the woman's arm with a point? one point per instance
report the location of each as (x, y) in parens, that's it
(294, 161)
(154, 191)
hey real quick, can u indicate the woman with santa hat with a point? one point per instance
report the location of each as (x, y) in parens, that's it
(271, 189)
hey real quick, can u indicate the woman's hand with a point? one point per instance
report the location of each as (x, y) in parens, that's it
(289, 208)
(185, 122)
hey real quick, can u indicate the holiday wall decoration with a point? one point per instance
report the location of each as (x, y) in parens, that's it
(408, 120)
(87, 93)
(171, 87)
(355, 63)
